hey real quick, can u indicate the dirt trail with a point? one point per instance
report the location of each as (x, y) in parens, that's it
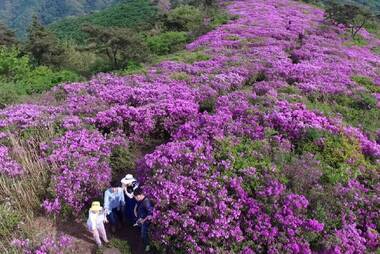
(84, 243)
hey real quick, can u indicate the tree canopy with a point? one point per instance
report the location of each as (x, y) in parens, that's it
(7, 37)
(118, 45)
(350, 15)
(43, 45)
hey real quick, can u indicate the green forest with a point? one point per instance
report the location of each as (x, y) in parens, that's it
(374, 5)
(131, 14)
(17, 14)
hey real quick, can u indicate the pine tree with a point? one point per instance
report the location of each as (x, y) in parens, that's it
(7, 37)
(118, 45)
(43, 45)
(352, 16)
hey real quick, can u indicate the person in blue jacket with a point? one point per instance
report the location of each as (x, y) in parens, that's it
(130, 184)
(113, 204)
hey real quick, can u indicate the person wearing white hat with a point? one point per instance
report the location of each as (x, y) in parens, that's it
(130, 184)
(95, 223)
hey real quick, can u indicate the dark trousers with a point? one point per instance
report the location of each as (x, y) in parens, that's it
(145, 233)
(129, 210)
(113, 217)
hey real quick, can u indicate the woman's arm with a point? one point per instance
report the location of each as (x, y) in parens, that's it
(135, 210)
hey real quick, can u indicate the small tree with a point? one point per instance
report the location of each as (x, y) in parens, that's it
(13, 67)
(118, 45)
(352, 16)
(43, 46)
(7, 37)
(185, 18)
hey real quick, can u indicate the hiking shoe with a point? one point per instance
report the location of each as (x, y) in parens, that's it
(99, 248)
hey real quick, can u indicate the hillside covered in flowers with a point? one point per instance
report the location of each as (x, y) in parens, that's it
(271, 145)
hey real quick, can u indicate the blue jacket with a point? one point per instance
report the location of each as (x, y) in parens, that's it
(144, 208)
(113, 200)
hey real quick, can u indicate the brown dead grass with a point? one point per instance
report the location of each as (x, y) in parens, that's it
(23, 194)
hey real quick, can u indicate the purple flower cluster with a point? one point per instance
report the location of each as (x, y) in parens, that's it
(48, 245)
(51, 207)
(8, 166)
(71, 122)
(293, 119)
(139, 122)
(193, 199)
(80, 168)
(27, 115)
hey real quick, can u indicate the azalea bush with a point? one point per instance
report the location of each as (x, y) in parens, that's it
(81, 170)
(47, 245)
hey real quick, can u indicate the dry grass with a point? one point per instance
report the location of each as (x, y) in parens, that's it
(23, 194)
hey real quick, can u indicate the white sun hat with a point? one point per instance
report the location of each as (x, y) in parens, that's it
(128, 179)
(95, 207)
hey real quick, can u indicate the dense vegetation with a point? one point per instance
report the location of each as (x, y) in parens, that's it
(140, 14)
(18, 14)
(263, 136)
(18, 77)
(371, 4)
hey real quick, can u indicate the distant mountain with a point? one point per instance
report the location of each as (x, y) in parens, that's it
(17, 14)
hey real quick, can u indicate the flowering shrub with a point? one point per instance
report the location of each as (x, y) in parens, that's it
(216, 204)
(25, 115)
(81, 170)
(164, 116)
(47, 245)
(71, 122)
(8, 166)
